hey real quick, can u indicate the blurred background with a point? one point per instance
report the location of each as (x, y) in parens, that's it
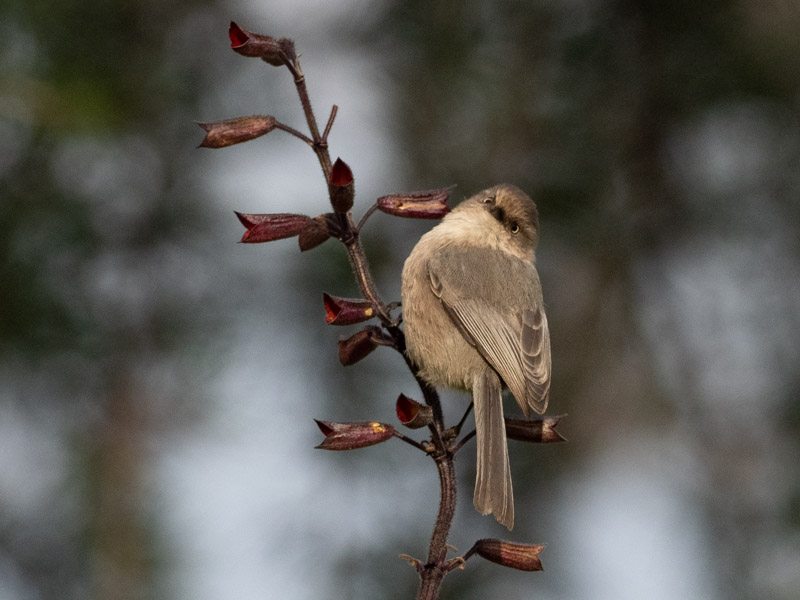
(158, 381)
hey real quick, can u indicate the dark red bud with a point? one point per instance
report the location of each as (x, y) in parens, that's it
(267, 228)
(412, 414)
(342, 187)
(541, 430)
(430, 204)
(341, 175)
(314, 234)
(256, 45)
(349, 436)
(524, 557)
(358, 346)
(346, 311)
(235, 131)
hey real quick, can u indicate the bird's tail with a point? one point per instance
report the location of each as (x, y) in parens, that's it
(493, 492)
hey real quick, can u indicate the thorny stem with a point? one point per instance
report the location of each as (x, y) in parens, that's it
(464, 440)
(464, 418)
(294, 132)
(366, 216)
(325, 133)
(320, 145)
(408, 440)
(437, 566)
(358, 261)
(457, 430)
(435, 570)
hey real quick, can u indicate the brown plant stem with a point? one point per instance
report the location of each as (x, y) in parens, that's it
(360, 266)
(433, 572)
(320, 144)
(294, 132)
(464, 440)
(366, 216)
(460, 424)
(334, 110)
(408, 440)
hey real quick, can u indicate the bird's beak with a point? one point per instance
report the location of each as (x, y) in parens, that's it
(498, 213)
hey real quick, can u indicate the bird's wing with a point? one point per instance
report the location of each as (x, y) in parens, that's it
(515, 342)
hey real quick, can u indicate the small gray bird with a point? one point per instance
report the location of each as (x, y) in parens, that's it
(474, 320)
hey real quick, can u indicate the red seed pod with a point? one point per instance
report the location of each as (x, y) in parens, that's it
(541, 430)
(316, 233)
(357, 346)
(349, 436)
(430, 204)
(342, 187)
(267, 228)
(523, 557)
(256, 45)
(412, 414)
(220, 134)
(346, 311)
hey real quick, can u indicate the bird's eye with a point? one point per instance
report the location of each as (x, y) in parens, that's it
(488, 200)
(514, 228)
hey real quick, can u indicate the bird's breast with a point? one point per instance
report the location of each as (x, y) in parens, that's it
(433, 341)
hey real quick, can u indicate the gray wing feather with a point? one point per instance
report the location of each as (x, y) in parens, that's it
(535, 345)
(516, 345)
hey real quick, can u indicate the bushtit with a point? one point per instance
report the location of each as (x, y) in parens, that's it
(474, 320)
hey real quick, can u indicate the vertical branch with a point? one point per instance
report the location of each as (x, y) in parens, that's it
(434, 571)
(360, 266)
(320, 144)
(431, 204)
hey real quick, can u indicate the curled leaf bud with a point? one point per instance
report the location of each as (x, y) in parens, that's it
(358, 346)
(342, 187)
(539, 431)
(412, 414)
(314, 234)
(430, 204)
(349, 436)
(256, 45)
(346, 311)
(235, 131)
(524, 557)
(267, 228)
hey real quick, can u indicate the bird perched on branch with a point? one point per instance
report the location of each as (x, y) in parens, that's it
(474, 320)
